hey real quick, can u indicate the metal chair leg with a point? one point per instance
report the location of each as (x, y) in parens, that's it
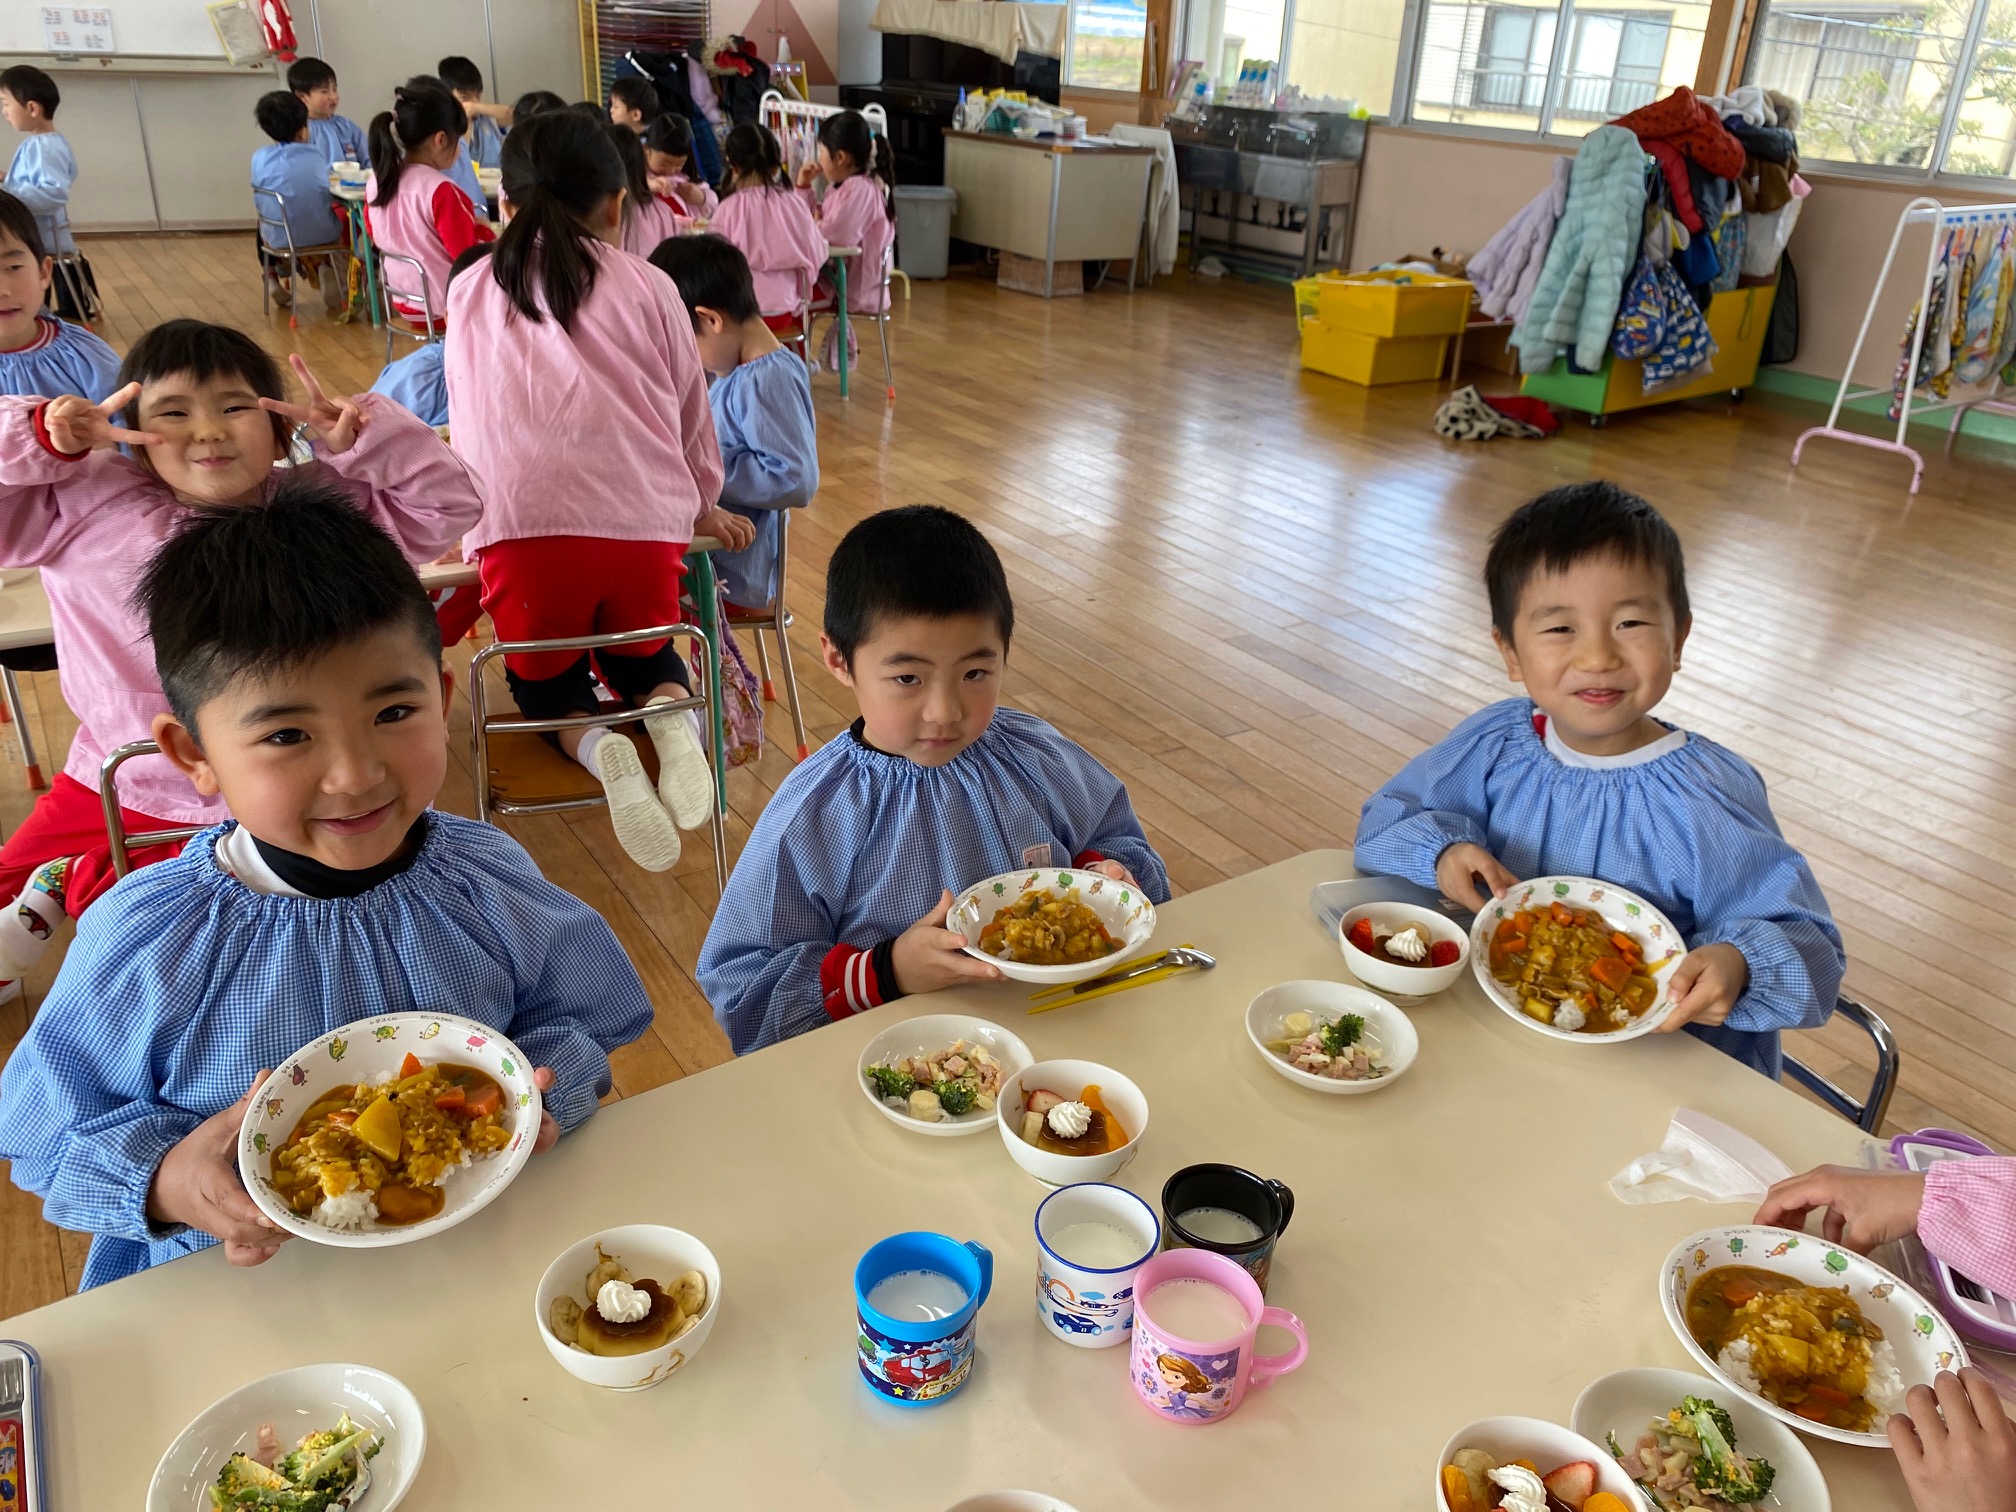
(763, 661)
(790, 685)
(12, 690)
(888, 370)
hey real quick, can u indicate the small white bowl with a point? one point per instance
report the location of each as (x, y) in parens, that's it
(1403, 981)
(1011, 1501)
(296, 1402)
(1626, 1401)
(1067, 1078)
(1326, 1002)
(935, 1031)
(648, 1250)
(1623, 911)
(361, 1052)
(1548, 1445)
(1122, 907)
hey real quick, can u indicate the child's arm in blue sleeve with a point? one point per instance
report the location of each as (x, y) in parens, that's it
(1439, 799)
(769, 447)
(40, 181)
(1117, 836)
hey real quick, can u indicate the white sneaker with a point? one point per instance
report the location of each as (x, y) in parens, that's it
(685, 779)
(643, 828)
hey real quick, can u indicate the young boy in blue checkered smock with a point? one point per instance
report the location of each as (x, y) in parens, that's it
(1589, 606)
(316, 703)
(838, 903)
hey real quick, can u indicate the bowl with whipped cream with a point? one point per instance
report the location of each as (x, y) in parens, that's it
(629, 1307)
(1403, 950)
(1067, 1121)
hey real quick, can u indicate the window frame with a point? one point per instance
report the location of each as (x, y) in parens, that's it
(1070, 38)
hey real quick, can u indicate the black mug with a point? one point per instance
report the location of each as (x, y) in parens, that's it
(1267, 1205)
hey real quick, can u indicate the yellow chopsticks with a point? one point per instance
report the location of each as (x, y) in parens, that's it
(1067, 995)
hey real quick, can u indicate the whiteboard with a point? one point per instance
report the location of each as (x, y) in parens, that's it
(159, 28)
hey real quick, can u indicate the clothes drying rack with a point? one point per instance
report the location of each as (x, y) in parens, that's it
(795, 124)
(1942, 218)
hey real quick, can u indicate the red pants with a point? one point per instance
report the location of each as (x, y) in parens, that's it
(69, 820)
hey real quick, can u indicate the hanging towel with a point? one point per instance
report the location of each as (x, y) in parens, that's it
(1164, 213)
(1929, 312)
(1574, 303)
(1987, 306)
(1507, 267)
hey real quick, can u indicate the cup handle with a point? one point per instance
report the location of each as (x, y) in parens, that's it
(1266, 1367)
(986, 1259)
(1287, 1200)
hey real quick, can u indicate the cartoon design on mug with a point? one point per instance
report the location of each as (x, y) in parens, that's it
(915, 1372)
(1087, 1312)
(1182, 1385)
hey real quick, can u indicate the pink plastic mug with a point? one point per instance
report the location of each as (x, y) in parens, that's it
(1198, 1381)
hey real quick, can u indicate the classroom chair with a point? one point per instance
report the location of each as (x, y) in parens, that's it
(12, 712)
(285, 248)
(422, 331)
(1865, 1113)
(775, 619)
(115, 823)
(881, 327)
(72, 271)
(516, 772)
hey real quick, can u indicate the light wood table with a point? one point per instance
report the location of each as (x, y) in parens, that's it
(1454, 1253)
(1059, 201)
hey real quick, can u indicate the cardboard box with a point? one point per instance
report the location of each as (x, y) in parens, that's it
(1025, 276)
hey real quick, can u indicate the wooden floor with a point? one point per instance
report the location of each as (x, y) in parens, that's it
(1253, 594)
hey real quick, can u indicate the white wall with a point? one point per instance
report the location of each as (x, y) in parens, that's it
(376, 45)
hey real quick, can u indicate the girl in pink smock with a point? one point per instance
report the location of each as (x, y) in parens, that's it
(771, 226)
(415, 209)
(858, 209)
(647, 218)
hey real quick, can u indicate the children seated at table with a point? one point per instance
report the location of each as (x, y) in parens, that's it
(668, 153)
(487, 122)
(838, 903)
(536, 102)
(315, 703)
(340, 139)
(415, 210)
(772, 225)
(858, 210)
(647, 218)
(294, 168)
(633, 103)
(40, 354)
(203, 410)
(43, 169)
(415, 382)
(576, 395)
(1588, 593)
(762, 403)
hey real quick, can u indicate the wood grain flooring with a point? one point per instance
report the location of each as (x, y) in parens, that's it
(1253, 593)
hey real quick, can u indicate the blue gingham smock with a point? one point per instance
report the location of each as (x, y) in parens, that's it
(72, 361)
(182, 982)
(857, 845)
(1691, 832)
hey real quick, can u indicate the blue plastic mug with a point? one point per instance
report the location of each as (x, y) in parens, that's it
(911, 1361)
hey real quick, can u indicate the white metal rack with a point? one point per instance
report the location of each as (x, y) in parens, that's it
(1942, 218)
(795, 124)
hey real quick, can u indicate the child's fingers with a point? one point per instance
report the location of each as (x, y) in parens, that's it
(1922, 1403)
(1789, 1202)
(115, 402)
(1956, 1403)
(542, 1078)
(287, 411)
(307, 377)
(1910, 1449)
(132, 437)
(937, 915)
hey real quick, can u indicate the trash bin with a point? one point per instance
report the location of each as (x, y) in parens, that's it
(924, 228)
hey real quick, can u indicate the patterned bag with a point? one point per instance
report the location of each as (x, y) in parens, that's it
(1641, 318)
(741, 700)
(1684, 344)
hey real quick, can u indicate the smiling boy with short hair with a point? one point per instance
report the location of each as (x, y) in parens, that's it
(1589, 608)
(838, 903)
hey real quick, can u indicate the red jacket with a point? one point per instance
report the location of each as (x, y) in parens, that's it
(1691, 127)
(1674, 166)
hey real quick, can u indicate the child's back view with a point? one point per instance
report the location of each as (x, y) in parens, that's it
(772, 225)
(44, 169)
(647, 219)
(416, 211)
(290, 190)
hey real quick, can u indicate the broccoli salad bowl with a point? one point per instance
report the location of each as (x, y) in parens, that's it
(1331, 1037)
(939, 1074)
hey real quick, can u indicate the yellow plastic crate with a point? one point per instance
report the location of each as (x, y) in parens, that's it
(1390, 303)
(1358, 358)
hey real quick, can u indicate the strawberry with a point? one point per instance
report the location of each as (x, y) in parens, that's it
(1444, 953)
(1572, 1485)
(1360, 934)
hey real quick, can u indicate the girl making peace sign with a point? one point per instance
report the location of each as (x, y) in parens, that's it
(202, 414)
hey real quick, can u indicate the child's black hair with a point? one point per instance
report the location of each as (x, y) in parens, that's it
(281, 115)
(18, 221)
(460, 74)
(421, 107)
(204, 351)
(467, 258)
(751, 152)
(712, 274)
(226, 596)
(1571, 524)
(557, 169)
(847, 134)
(636, 172)
(671, 134)
(535, 102)
(30, 86)
(306, 75)
(637, 95)
(918, 561)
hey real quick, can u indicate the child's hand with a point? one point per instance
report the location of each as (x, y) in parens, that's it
(197, 1184)
(807, 172)
(1864, 1208)
(333, 422)
(549, 1131)
(929, 956)
(1956, 1447)
(690, 192)
(1458, 869)
(727, 527)
(1114, 870)
(1706, 985)
(76, 425)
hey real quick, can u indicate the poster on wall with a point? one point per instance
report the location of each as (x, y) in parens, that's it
(77, 29)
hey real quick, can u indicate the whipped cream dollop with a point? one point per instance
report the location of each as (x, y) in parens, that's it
(1070, 1120)
(1524, 1491)
(620, 1302)
(1408, 944)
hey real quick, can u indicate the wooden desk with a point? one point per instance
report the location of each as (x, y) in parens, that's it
(1055, 200)
(1454, 1252)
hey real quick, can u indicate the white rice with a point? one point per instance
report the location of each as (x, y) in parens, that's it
(1886, 1382)
(352, 1210)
